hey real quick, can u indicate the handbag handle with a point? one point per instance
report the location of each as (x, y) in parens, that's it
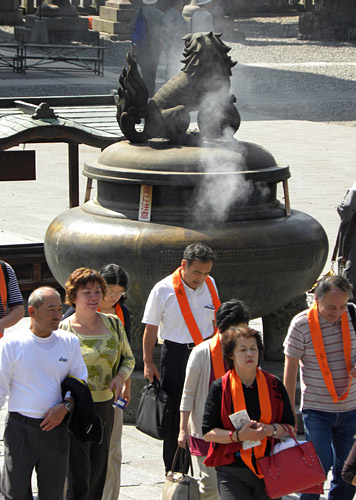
(155, 384)
(309, 460)
(183, 465)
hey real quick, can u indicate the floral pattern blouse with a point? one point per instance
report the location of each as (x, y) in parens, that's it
(104, 355)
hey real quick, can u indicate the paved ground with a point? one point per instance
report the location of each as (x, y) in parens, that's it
(293, 97)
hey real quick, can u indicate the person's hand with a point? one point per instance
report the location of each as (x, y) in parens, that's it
(353, 371)
(117, 386)
(150, 371)
(53, 417)
(183, 439)
(253, 431)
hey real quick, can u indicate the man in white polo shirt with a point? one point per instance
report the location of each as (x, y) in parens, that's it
(322, 341)
(181, 309)
(33, 363)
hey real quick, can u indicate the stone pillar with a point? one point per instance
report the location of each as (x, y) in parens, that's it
(10, 12)
(115, 17)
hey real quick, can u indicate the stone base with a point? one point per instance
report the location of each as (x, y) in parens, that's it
(60, 29)
(119, 15)
(11, 18)
(112, 28)
(317, 27)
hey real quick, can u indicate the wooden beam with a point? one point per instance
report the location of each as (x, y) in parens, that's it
(73, 164)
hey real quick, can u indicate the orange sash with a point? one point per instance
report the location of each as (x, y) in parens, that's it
(216, 356)
(119, 313)
(3, 293)
(318, 344)
(184, 304)
(238, 400)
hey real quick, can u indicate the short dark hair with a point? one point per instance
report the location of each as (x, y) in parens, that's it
(326, 283)
(115, 275)
(198, 251)
(80, 277)
(231, 313)
(230, 338)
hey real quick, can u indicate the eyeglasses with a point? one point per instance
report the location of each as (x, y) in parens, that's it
(113, 293)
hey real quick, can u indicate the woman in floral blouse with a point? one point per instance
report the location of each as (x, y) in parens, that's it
(109, 360)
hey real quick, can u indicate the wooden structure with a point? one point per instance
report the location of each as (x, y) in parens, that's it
(21, 57)
(92, 121)
(30, 266)
(37, 56)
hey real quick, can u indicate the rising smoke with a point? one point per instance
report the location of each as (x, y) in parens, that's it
(219, 191)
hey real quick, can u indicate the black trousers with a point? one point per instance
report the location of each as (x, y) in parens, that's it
(27, 447)
(88, 461)
(239, 483)
(174, 359)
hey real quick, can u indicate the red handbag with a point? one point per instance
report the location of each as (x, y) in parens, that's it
(293, 470)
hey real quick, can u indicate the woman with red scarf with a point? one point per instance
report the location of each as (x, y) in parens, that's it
(263, 396)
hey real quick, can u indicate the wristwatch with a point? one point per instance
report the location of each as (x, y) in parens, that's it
(68, 405)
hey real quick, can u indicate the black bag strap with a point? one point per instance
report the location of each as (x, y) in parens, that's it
(185, 461)
(351, 308)
(348, 237)
(336, 247)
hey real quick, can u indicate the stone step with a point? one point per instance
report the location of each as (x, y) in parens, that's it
(112, 14)
(112, 27)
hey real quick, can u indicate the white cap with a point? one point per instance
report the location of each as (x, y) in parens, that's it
(201, 2)
(150, 2)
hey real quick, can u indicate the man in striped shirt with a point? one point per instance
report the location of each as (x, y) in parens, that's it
(322, 341)
(14, 309)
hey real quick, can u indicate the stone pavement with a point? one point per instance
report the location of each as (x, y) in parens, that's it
(293, 120)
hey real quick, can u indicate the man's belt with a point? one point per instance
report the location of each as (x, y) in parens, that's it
(25, 420)
(190, 345)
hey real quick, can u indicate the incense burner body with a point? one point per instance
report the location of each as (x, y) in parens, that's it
(265, 256)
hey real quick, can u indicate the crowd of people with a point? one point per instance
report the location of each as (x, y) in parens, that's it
(210, 368)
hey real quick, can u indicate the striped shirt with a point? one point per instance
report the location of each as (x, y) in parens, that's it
(14, 297)
(298, 344)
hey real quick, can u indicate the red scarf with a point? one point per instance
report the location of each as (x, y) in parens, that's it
(319, 348)
(185, 307)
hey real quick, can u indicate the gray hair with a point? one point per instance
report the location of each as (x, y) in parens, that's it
(37, 297)
(326, 283)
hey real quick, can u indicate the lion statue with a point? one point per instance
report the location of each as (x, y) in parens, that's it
(203, 85)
